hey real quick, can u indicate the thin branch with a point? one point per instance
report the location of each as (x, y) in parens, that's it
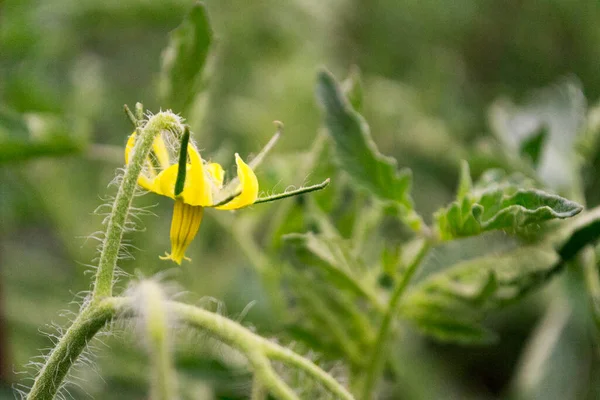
(291, 193)
(257, 349)
(378, 355)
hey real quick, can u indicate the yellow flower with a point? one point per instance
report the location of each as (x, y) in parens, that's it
(199, 186)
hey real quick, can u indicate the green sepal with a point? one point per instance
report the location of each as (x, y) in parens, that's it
(182, 167)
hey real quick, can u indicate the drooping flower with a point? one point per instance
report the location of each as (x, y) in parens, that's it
(197, 186)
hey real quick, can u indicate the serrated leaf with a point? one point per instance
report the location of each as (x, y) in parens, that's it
(356, 151)
(463, 292)
(529, 206)
(184, 58)
(498, 203)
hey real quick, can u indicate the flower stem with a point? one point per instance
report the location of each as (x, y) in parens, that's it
(258, 350)
(69, 347)
(120, 210)
(377, 360)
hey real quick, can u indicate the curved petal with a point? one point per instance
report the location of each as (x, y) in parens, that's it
(248, 185)
(129, 147)
(197, 190)
(164, 183)
(161, 153)
(148, 184)
(144, 181)
(184, 226)
(217, 173)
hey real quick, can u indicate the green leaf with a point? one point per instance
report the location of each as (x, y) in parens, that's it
(532, 147)
(352, 88)
(316, 305)
(499, 203)
(356, 151)
(448, 328)
(183, 60)
(580, 232)
(448, 304)
(329, 257)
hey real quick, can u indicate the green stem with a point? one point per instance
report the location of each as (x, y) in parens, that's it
(377, 360)
(258, 391)
(155, 314)
(70, 346)
(238, 337)
(258, 351)
(292, 359)
(292, 193)
(120, 210)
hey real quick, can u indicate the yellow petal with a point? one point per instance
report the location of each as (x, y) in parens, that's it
(144, 181)
(165, 181)
(184, 226)
(197, 190)
(129, 147)
(217, 173)
(248, 186)
(161, 153)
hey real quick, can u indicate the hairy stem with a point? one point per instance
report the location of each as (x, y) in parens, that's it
(258, 391)
(153, 307)
(377, 360)
(69, 347)
(290, 358)
(258, 350)
(241, 339)
(120, 209)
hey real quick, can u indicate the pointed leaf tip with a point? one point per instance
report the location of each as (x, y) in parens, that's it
(356, 152)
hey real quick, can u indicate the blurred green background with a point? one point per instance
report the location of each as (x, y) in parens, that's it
(430, 70)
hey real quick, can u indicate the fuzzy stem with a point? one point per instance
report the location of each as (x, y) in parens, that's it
(153, 308)
(375, 364)
(69, 347)
(258, 350)
(287, 356)
(120, 210)
(258, 391)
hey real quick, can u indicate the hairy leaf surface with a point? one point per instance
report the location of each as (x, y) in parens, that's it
(499, 203)
(356, 152)
(449, 304)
